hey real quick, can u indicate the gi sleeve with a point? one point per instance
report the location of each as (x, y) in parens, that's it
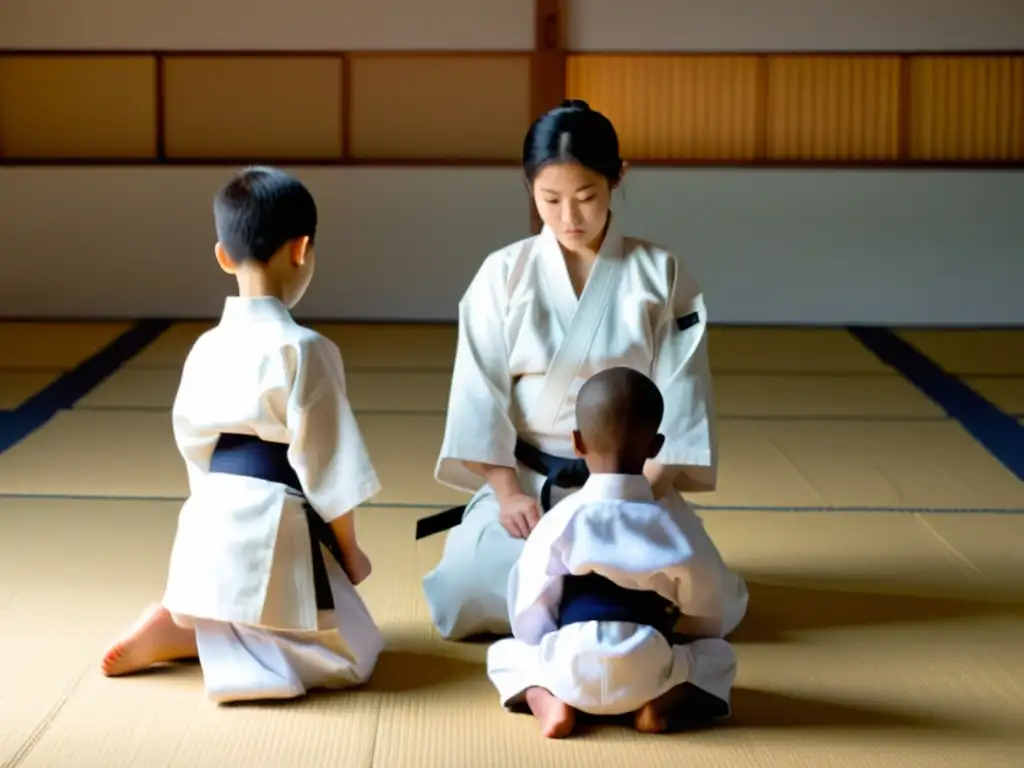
(682, 372)
(327, 449)
(535, 582)
(478, 427)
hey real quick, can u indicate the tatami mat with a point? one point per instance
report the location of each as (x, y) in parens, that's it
(774, 350)
(871, 641)
(814, 396)
(736, 395)
(432, 347)
(972, 352)
(875, 639)
(764, 463)
(18, 386)
(401, 391)
(53, 346)
(1006, 393)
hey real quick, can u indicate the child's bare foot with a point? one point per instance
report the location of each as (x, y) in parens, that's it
(649, 720)
(154, 639)
(683, 705)
(358, 567)
(556, 718)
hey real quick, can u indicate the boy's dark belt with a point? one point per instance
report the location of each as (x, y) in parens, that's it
(592, 597)
(249, 456)
(559, 473)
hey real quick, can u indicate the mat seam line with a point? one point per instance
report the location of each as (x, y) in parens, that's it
(43, 726)
(948, 545)
(823, 509)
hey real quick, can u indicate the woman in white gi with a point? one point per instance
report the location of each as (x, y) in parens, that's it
(261, 584)
(540, 317)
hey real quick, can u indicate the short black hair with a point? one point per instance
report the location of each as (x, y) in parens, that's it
(260, 210)
(573, 132)
(619, 409)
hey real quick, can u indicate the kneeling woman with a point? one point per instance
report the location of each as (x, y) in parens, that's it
(540, 317)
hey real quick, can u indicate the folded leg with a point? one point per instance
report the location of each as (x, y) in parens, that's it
(467, 590)
(514, 667)
(242, 663)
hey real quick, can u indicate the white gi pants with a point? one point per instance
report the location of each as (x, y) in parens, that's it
(245, 663)
(608, 667)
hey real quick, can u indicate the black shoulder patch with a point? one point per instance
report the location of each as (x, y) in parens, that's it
(687, 321)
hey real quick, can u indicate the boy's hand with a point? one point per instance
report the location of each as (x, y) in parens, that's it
(357, 567)
(519, 514)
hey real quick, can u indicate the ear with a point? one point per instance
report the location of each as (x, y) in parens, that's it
(656, 445)
(224, 260)
(578, 446)
(297, 250)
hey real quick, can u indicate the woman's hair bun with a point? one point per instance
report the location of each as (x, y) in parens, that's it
(579, 104)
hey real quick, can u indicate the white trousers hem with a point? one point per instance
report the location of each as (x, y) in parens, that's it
(244, 663)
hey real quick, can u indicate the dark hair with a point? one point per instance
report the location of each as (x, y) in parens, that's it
(573, 132)
(260, 210)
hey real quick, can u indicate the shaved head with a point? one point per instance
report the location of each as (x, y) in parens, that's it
(618, 412)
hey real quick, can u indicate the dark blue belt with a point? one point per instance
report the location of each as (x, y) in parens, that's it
(592, 597)
(558, 473)
(249, 456)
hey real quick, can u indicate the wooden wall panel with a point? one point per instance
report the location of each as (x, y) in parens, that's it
(967, 108)
(437, 107)
(839, 108)
(56, 107)
(673, 107)
(253, 107)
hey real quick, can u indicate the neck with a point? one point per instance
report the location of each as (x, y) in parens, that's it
(255, 283)
(600, 464)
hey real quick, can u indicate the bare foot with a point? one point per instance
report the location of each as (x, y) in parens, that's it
(358, 567)
(154, 639)
(684, 705)
(556, 718)
(649, 720)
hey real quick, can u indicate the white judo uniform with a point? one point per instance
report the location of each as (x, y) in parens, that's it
(241, 569)
(614, 528)
(526, 344)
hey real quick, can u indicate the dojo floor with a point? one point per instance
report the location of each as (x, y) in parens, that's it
(884, 548)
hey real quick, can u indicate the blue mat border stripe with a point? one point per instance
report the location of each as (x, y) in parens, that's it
(998, 432)
(76, 383)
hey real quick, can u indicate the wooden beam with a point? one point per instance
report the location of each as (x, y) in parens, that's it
(547, 68)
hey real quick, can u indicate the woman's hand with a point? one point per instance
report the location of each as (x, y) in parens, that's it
(518, 514)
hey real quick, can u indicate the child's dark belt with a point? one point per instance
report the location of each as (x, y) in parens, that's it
(249, 456)
(592, 597)
(559, 473)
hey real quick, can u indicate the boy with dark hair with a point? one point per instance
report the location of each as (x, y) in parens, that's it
(619, 604)
(261, 583)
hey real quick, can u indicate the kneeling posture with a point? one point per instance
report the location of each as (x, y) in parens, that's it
(261, 585)
(619, 604)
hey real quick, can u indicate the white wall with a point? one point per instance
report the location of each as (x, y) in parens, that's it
(795, 25)
(769, 246)
(267, 25)
(819, 247)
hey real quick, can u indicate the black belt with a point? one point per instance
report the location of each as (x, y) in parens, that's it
(559, 473)
(592, 597)
(249, 456)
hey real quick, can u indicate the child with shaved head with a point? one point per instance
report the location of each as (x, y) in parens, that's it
(619, 603)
